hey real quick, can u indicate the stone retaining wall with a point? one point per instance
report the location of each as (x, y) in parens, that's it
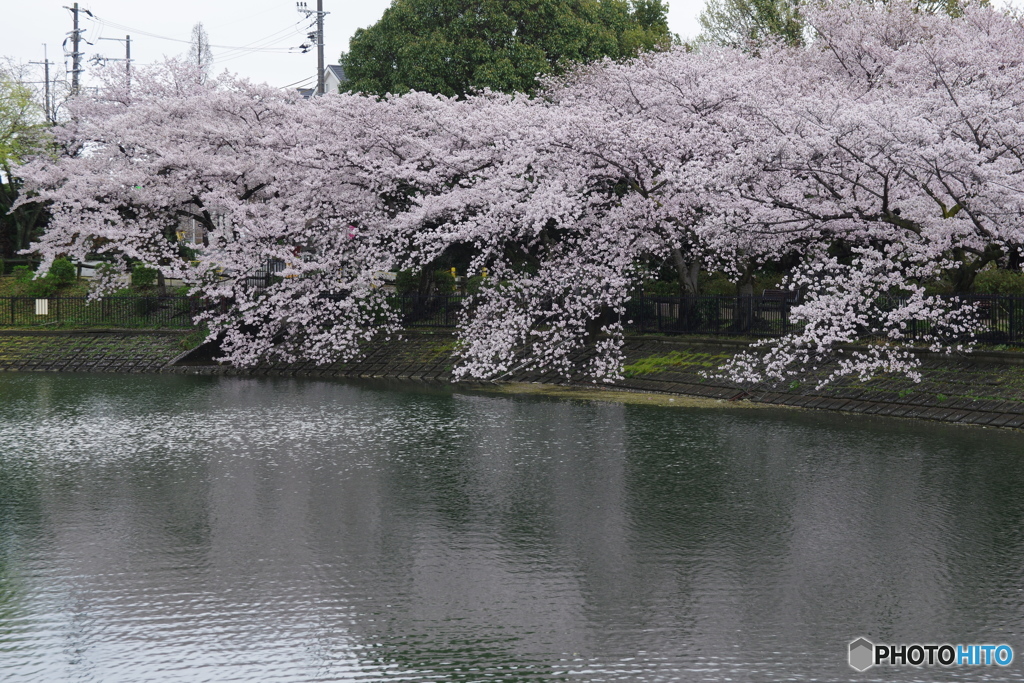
(987, 389)
(87, 351)
(983, 389)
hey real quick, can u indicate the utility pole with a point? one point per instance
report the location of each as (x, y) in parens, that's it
(320, 14)
(47, 109)
(319, 47)
(127, 40)
(76, 56)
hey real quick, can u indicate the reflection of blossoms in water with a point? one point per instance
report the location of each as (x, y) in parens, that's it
(104, 434)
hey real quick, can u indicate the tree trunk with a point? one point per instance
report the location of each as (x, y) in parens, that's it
(745, 299)
(962, 277)
(689, 287)
(688, 273)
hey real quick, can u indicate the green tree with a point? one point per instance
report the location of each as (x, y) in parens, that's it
(453, 47)
(22, 133)
(748, 23)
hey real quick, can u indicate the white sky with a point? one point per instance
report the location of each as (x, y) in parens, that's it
(274, 25)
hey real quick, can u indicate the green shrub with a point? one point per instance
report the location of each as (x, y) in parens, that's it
(474, 284)
(937, 286)
(63, 272)
(717, 284)
(444, 283)
(22, 274)
(143, 276)
(42, 287)
(406, 282)
(999, 281)
(661, 288)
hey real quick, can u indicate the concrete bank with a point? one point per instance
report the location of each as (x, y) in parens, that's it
(981, 389)
(90, 351)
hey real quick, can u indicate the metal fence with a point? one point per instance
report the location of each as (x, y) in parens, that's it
(1002, 317)
(147, 312)
(417, 310)
(756, 316)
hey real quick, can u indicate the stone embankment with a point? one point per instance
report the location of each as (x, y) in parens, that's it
(985, 388)
(90, 351)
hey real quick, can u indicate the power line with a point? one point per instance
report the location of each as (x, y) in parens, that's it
(149, 34)
(297, 84)
(48, 110)
(127, 40)
(228, 55)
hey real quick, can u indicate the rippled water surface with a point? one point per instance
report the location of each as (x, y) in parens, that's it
(210, 529)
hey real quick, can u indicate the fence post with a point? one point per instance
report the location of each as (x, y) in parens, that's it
(12, 309)
(1012, 322)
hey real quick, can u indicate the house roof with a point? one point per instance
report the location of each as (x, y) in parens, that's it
(338, 70)
(335, 70)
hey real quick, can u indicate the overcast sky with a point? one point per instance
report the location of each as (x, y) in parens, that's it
(268, 31)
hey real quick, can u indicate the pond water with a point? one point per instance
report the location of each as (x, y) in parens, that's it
(163, 528)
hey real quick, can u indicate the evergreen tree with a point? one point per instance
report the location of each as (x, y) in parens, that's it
(453, 47)
(22, 133)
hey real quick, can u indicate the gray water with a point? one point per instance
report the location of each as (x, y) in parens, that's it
(209, 529)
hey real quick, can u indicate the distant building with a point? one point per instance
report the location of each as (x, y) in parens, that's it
(334, 76)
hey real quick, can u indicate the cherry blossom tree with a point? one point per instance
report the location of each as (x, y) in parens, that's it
(881, 155)
(890, 155)
(314, 184)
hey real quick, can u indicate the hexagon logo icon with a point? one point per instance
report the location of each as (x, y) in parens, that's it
(862, 654)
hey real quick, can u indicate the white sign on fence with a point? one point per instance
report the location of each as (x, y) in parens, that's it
(42, 307)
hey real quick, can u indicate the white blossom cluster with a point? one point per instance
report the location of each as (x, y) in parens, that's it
(888, 151)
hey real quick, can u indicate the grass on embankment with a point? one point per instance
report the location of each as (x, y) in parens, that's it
(675, 360)
(944, 380)
(10, 286)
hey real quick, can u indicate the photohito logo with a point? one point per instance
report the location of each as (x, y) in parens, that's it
(864, 654)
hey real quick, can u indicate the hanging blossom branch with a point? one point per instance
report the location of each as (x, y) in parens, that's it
(869, 300)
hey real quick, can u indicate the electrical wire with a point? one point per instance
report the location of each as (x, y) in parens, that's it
(148, 34)
(260, 45)
(299, 84)
(229, 54)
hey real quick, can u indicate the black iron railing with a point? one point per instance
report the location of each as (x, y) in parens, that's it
(1001, 317)
(144, 312)
(757, 316)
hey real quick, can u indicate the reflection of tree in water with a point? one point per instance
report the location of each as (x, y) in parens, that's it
(475, 538)
(478, 537)
(468, 661)
(975, 486)
(21, 516)
(677, 483)
(819, 524)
